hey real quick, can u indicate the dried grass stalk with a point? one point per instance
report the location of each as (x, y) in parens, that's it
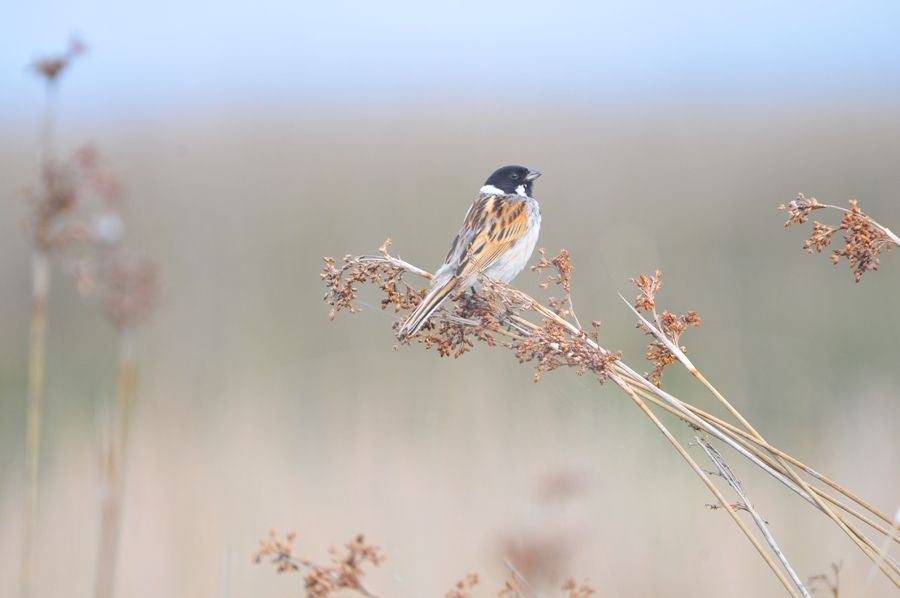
(498, 315)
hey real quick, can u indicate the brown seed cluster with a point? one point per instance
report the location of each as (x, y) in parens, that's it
(561, 275)
(863, 238)
(672, 325)
(513, 588)
(562, 266)
(51, 67)
(321, 581)
(799, 208)
(343, 283)
(576, 590)
(474, 318)
(79, 213)
(831, 584)
(463, 587)
(551, 347)
(126, 287)
(64, 186)
(493, 315)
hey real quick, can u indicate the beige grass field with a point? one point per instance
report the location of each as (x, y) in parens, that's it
(254, 411)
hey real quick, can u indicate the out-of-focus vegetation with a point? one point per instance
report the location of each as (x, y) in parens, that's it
(255, 411)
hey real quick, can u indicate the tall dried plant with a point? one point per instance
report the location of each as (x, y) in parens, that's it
(124, 285)
(77, 212)
(549, 337)
(864, 238)
(53, 198)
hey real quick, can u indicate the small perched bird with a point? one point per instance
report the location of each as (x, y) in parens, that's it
(496, 240)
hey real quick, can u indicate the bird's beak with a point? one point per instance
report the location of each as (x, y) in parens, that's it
(532, 174)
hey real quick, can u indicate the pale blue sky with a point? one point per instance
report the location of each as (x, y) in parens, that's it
(171, 55)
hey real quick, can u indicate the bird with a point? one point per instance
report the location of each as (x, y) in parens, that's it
(496, 241)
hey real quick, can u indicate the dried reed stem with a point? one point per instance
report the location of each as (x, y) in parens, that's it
(728, 475)
(750, 443)
(887, 565)
(709, 484)
(113, 459)
(621, 369)
(40, 275)
(747, 441)
(520, 580)
(882, 554)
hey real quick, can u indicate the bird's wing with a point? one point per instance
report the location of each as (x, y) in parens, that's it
(493, 224)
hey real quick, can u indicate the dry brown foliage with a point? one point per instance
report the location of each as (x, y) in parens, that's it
(320, 581)
(498, 315)
(346, 571)
(493, 315)
(829, 583)
(64, 186)
(463, 587)
(673, 326)
(51, 67)
(864, 238)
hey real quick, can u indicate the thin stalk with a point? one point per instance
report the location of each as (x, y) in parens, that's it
(890, 568)
(882, 554)
(750, 443)
(728, 476)
(709, 484)
(114, 468)
(48, 126)
(34, 406)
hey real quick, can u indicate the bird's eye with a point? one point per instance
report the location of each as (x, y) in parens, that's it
(514, 176)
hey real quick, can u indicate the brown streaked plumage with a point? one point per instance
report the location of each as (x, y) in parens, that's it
(496, 240)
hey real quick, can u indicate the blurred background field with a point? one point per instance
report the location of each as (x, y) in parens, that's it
(254, 411)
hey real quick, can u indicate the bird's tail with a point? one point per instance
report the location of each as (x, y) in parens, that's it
(431, 302)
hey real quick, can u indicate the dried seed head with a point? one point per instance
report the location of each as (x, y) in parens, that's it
(672, 325)
(492, 316)
(864, 239)
(321, 581)
(51, 67)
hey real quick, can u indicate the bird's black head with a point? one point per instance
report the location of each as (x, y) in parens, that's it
(512, 180)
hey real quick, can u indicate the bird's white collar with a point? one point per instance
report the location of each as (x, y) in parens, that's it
(492, 190)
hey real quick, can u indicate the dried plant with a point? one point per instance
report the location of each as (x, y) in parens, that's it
(52, 66)
(672, 326)
(347, 568)
(829, 583)
(864, 238)
(463, 587)
(124, 285)
(516, 586)
(76, 211)
(321, 581)
(55, 196)
(549, 336)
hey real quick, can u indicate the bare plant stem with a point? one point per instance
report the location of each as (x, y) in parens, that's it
(49, 123)
(40, 275)
(888, 566)
(34, 404)
(113, 460)
(882, 554)
(750, 443)
(709, 484)
(728, 476)
(520, 580)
